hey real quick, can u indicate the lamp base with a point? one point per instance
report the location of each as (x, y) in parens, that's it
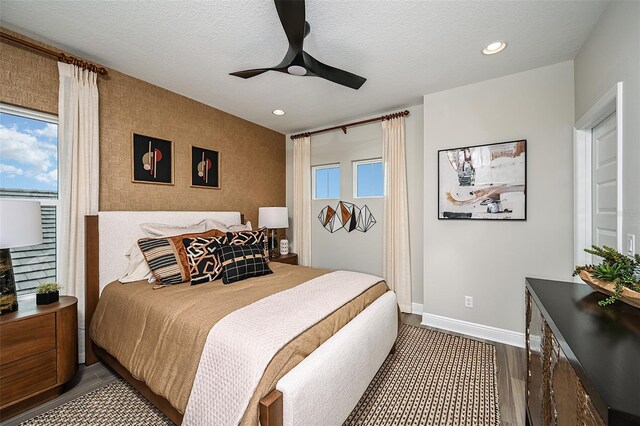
(273, 244)
(8, 295)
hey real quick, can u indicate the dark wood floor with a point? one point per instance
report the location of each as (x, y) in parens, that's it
(512, 368)
(510, 362)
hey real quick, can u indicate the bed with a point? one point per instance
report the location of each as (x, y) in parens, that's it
(165, 342)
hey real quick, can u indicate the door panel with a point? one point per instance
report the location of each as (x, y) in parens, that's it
(604, 183)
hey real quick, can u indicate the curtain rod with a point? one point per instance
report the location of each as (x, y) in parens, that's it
(58, 55)
(344, 127)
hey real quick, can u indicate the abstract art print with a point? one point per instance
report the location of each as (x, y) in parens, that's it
(152, 160)
(483, 182)
(205, 168)
(346, 216)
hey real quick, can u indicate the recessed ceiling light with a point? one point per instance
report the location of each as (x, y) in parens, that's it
(495, 47)
(278, 112)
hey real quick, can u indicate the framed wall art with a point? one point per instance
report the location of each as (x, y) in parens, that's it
(152, 160)
(483, 182)
(205, 168)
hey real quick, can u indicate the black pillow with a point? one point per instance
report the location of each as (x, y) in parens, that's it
(242, 262)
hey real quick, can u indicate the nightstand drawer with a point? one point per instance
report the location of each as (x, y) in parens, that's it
(27, 376)
(30, 336)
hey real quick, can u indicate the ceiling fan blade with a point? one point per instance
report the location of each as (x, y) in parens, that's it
(330, 73)
(250, 73)
(292, 13)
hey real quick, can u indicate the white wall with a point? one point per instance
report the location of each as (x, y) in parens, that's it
(611, 54)
(489, 260)
(356, 250)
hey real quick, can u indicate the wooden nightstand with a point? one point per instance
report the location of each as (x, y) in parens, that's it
(39, 353)
(291, 259)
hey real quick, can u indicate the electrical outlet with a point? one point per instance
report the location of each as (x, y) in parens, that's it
(468, 302)
(631, 244)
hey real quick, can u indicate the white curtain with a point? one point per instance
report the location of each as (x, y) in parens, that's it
(302, 199)
(77, 176)
(396, 267)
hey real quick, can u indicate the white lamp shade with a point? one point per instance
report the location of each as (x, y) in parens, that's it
(273, 217)
(20, 223)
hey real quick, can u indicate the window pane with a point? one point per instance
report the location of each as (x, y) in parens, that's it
(28, 153)
(29, 170)
(327, 182)
(334, 183)
(37, 264)
(370, 179)
(377, 180)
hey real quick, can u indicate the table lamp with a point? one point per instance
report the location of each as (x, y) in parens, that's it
(20, 225)
(273, 218)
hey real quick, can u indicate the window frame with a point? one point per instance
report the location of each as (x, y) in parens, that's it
(354, 166)
(47, 118)
(313, 179)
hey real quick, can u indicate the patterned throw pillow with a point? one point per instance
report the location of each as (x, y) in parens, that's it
(243, 238)
(203, 255)
(242, 262)
(167, 258)
(163, 260)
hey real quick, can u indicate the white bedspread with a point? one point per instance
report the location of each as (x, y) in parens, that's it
(241, 345)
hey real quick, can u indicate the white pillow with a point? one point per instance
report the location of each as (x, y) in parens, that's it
(214, 224)
(159, 230)
(138, 268)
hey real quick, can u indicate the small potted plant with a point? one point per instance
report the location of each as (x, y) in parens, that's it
(617, 276)
(47, 293)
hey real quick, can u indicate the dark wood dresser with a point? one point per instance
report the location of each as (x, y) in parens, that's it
(38, 353)
(583, 361)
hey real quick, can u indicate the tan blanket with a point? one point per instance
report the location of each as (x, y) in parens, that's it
(158, 335)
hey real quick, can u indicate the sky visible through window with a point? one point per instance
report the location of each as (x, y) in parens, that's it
(327, 183)
(370, 179)
(28, 153)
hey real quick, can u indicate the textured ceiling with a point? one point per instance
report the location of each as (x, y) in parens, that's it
(405, 49)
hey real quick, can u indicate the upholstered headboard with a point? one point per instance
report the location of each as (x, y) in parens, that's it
(118, 230)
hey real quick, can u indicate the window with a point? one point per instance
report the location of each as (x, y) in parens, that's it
(368, 178)
(29, 170)
(326, 182)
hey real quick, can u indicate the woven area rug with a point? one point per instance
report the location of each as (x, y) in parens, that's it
(433, 378)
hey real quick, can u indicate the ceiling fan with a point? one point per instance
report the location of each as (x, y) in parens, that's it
(297, 61)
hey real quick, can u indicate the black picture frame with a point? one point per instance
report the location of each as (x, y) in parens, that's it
(152, 160)
(201, 176)
(490, 199)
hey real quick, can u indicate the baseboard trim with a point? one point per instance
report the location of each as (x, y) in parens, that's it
(495, 334)
(417, 308)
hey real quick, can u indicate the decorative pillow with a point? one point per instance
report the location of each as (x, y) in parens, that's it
(242, 238)
(242, 262)
(138, 269)
(158, 230)
(214, 224)
(163, 259)
(167, 257)
(203, 255)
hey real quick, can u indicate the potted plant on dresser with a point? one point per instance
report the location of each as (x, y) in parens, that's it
(47, 293)
(617, 276)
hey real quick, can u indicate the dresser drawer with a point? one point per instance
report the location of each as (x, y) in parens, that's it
(30, 336)
(27, 376)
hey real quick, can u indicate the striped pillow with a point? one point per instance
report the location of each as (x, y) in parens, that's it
(163, 260)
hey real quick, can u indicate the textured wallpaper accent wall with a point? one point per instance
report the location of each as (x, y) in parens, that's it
(252, 158)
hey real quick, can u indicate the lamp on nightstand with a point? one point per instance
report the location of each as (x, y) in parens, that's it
(20, 225)
(273, 218)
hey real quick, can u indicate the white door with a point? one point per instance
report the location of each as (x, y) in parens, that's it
(604, 183)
